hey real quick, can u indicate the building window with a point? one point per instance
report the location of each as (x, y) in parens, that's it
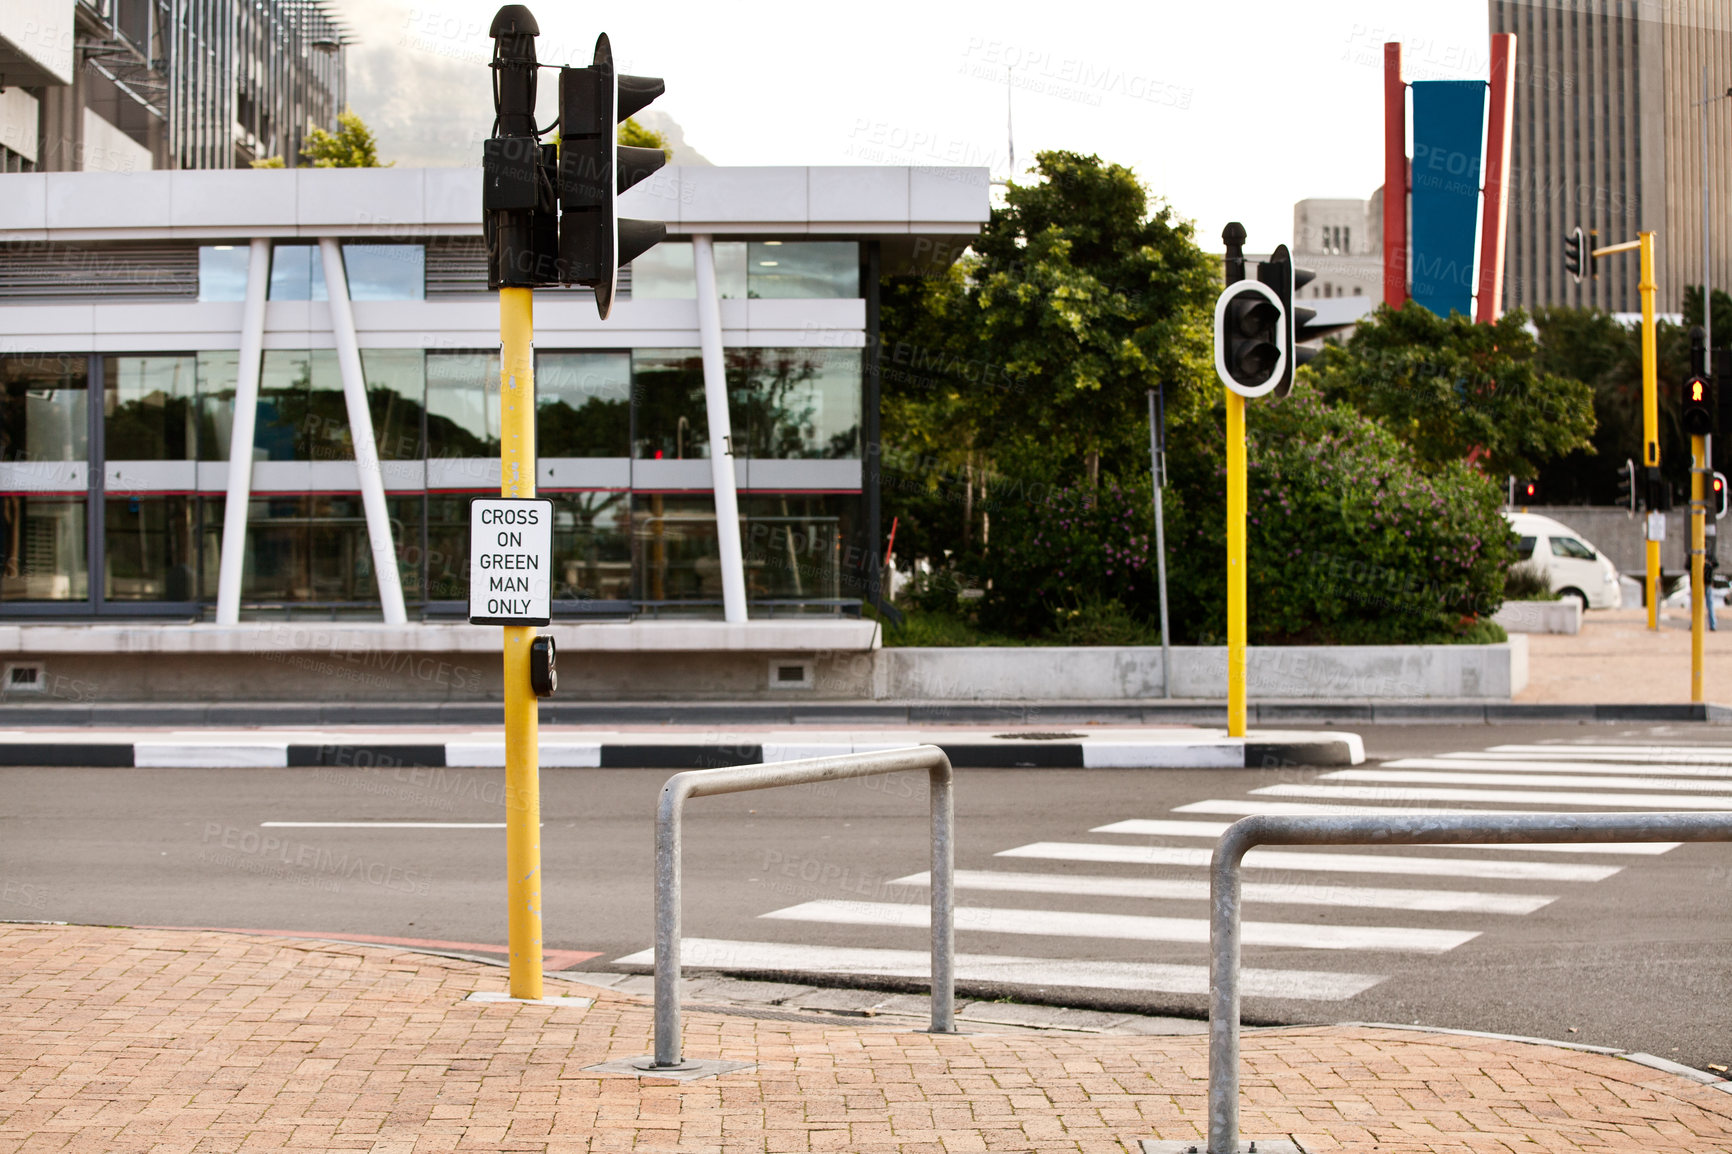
(796, 546)
(376, 272)
(462, 405)
(583, 404)
(43, 416)
(42, 548)
(150, 408)
(150, 548)
(794, 403)
(222, 272)
(592, 547)
(674, 550)
(396, 390)
(302, 415)
(671, 421)
(767, 269)
(316, 548)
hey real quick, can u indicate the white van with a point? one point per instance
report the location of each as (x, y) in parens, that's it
(1577, 569)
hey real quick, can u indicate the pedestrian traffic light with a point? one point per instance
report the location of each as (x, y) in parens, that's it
(1249, 333)
(594, 168)
(1574, 249)
(1699, 406)
(519, 215)
(1280, 274)
(1627, 485)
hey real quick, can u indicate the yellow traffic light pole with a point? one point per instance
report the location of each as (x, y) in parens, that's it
(1698, 568)
(1236, 564)
(522, 760)
(1644, 243)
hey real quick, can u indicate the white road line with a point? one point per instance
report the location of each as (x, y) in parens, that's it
(1144, 827)
(1321, 861)
(382, 824)
(1528, 765)
(1524, 796)
(1127, 927)
(1186, 889)
(1695, 753)
(1149, 977)
(1476, 777)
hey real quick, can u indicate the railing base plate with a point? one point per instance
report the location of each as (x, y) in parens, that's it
(689, 1070)
(1246, 1146)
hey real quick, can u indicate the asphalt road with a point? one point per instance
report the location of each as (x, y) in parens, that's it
(1638, 959)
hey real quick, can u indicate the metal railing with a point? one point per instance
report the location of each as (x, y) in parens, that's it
(738, 779)
(1379, 829)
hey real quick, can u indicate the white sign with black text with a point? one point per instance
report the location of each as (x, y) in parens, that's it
(510, 561)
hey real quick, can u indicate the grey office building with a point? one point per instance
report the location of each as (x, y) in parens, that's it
(132, 85)
(1608, 137)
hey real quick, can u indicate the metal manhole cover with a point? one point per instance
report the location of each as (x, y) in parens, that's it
(1037, 736)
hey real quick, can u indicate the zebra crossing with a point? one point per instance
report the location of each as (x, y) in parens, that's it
(1125, 909)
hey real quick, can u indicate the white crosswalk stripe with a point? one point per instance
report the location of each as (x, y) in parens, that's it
(1145, 827)
(1197, 890)
(778, 957)
(1128, 927)
(1526, 796)
(1326, 861)
(1584, 781)
(1137, 891)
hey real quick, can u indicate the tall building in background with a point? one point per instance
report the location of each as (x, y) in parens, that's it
(1332, 238)
(128, 85)
(1607, 136)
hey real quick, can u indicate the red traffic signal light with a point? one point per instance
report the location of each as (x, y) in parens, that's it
(1530, 490)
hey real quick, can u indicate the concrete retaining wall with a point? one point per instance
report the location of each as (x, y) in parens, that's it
(1540, 616)
(1116, 674)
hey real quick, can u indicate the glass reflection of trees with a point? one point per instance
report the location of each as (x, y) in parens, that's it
(796, 403)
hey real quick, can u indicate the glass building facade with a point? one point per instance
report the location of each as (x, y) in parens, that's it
(113, 465)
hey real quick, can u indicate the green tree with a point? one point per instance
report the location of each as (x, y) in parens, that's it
(351, 146)
(634, 135)
(1455, 390)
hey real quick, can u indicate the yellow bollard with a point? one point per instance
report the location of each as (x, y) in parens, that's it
(522, 751)
(1236, 564)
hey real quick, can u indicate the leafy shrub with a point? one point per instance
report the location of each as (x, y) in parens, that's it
(1102, 623)
(1351, 541)
(934, 591)
(1528, 582)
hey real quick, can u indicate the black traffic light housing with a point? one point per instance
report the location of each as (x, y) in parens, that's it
(1527, 491)
(1627, 489)
(1701, 412)
(1248, 335)
(594, 168)
(1280, 274)
(519, 214)
(1657, 491)
(1575, 249)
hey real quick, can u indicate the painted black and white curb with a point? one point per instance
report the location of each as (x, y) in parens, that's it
(253, 751)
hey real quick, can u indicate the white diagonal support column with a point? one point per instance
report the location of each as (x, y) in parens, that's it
(361, 433)
(240, 479)
(721, 437)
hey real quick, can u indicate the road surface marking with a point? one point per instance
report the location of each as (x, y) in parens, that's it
(1324, 861)
(1699, 754)
(1505, 765)
(1127, 927)
(778, 957)
(1190, 889)
(382, 824)
(1214, 829)
(1526, 796)
(1438, 777)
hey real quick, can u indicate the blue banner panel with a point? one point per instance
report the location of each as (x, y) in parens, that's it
(1448, 148)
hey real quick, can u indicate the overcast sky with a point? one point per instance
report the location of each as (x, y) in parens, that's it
(1157, 86)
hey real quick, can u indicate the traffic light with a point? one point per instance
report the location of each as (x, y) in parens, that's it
(1700, 409)
(1574, 249)
(1718, 488)
(1527, 492)
(1657, 495)
(594, 168)
(519, 215)
(1627, 485)
(1249, 331)
(1280, 274)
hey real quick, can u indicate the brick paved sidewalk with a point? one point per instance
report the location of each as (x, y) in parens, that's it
(119, 1040)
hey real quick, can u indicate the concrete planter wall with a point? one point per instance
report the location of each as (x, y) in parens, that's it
(1404, 672)
(1540, 616)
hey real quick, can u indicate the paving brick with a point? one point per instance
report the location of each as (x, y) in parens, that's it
(167, 1041)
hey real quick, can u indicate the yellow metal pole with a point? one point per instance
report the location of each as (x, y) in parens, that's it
(1236, 483)
(522, 768)
(1650, 410)
(1698, 579)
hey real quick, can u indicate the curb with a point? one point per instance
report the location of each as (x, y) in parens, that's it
(631, 714)
(1324, 749)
